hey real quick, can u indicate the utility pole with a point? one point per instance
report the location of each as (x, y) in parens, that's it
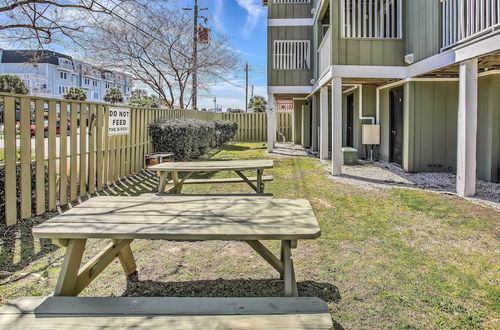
(194, 92)
(215, 103)
(251, 97)
(246, 86)
(195, 56)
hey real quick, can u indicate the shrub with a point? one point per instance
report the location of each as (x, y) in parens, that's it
(113, 95)
(225, 130)
(190, 138)
(12, 84)
(75, 93)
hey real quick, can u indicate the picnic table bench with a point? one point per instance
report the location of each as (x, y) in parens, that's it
(123, 219)
(189, 168)
(42, 313)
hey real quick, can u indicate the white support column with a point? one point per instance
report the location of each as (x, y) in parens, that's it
(271, 123)
(337, 155)
(467, 129)
(323, 123)
(314, 119)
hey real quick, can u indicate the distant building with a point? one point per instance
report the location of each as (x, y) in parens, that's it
(214, 109)
(51, 74)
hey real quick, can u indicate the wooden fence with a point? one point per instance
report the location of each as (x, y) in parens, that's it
(252, 126)
(82, 158)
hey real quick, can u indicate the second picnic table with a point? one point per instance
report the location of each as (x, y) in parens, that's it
(189, 168)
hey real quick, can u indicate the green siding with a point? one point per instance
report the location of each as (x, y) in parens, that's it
(385, 129)
(287, 77)
(431, 141)
(369, 110)
(422, 28)
(430, 126)
(488, 135)
(288, 10)
(350, 51)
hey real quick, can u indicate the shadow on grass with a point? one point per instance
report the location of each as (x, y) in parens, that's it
(230, 288)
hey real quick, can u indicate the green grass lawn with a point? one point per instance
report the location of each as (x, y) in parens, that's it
(392, 258)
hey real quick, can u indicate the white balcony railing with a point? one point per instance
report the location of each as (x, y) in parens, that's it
(466, 19)
(374, 19)
(325, 53)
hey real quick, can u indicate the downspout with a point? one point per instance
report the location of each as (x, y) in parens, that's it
(360, 102)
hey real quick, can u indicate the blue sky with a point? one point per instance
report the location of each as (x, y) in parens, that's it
(244, 22)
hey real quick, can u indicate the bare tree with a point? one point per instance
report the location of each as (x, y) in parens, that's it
(155, 45)
(48, 21)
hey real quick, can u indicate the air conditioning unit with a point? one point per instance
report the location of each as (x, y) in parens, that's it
(409, 59)
(313, 81)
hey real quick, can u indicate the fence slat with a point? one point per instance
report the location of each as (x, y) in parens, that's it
(10, 161)
(83, 149)
(91, 165)
(63, 154)
(99, 147)
(40, 157)
(25, 153)
(73, 152)
(52, 155)
(105, 164)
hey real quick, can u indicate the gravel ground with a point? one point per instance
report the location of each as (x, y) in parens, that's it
(383, 175)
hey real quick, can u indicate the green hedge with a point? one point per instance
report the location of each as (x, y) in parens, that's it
(190, 138)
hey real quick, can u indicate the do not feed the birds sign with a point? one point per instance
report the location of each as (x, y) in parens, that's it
(119, 121)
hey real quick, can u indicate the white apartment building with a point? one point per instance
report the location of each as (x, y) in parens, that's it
(51, 74)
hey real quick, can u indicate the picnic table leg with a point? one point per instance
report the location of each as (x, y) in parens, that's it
(126, 258)
(289, 272)
(163, 182)
(177, 186)
(66, 283)
(260, 184)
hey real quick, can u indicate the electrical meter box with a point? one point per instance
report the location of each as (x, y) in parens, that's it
(371, 134)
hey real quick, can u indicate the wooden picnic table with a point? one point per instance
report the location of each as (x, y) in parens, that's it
(189, 168)
(123, 219)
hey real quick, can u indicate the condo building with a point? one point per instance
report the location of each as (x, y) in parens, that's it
(50, 74)
(414, 82)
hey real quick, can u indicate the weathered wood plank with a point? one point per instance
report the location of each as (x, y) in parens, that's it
(25, 153)
(40, 158)
(91, 165)
(227, 180)
(226, 218)
(162, 312)
(97, 264)
(10, 161)
(267, 255)
(73, 189)
(83, 149)
(68, 275)
(52, 156)
(99, 147)
(227, 165)
(63, 154)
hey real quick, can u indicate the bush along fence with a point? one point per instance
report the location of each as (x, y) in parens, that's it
(190, 138)
(47, 163)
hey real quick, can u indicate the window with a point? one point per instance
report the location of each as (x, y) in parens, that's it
(292, 1)
(291, 55)
(96, 96)
(86, 81)
(63, 75)
(371, 19)
(94, 83)
(63, 89)
(108, 85)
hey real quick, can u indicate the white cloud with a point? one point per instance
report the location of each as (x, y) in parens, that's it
(254, 12)
(218, 15)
